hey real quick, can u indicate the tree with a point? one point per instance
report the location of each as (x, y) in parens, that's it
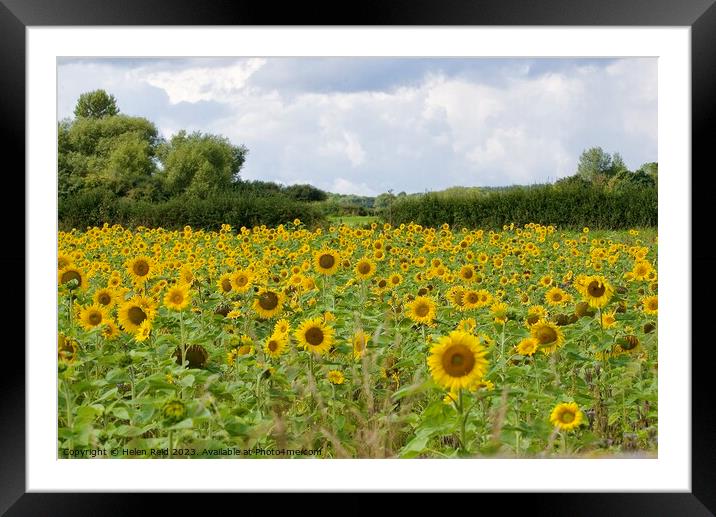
(593, 164)
(96, 104)
(114, 152)
(200, 164)
(305, 193)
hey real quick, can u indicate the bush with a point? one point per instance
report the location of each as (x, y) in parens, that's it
(94, 208)
(567, 206)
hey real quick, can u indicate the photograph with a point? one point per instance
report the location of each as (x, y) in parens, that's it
(357, 257)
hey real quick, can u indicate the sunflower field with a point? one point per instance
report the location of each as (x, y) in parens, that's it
(357, 342)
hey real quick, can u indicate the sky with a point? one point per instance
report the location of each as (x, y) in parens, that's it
(368, 125)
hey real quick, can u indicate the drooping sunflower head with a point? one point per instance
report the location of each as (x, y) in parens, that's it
(177, 297)
(195, 356)
(67, 348)
(566, 416)
(360, 343)
(268, 303)
(326, 261)
(315, 336)
(422, 310)
(457, 361)
(549, 336)
(499, 312)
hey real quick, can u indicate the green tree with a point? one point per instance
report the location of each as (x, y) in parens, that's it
(117, 153)
(96, 104)
(200, 164)
(594, 165)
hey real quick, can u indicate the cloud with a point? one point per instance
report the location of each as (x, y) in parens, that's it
(368, 125)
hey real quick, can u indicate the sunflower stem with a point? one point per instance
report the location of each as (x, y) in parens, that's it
(463, 443)
(68, 403)
(170, 443)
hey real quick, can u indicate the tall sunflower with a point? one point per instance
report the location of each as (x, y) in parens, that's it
(140, 268)
(457, 361)
(93, 316)
(276, 345)
(597, 291)
(549, 336)
(365, 268)
(326, 261)
(566, 416)
(177, 297)
(69, 273)
(133, 313)
(315, 336)
(422, 310)
(268, 303)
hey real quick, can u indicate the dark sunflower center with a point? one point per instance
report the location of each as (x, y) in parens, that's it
(467, 273)
(104, 299)
(546, 335)
(242, 281)
(140, 268)
(136, 315)
(268, 301)
(472, 298)
(314, 336)
(273, 346)
(95, 318)
(630, 342)
(422, 309)
(596, 289)
(326, 261)
(364, 268)
(177, 297)
(567, 417)
(382, 284)
(458, 360)
(71, 275)
(557, 297)
(226, 285)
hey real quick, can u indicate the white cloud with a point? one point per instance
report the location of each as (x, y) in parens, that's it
(202, 83)
(444, 130)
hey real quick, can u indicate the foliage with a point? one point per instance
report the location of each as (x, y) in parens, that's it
(96, 104)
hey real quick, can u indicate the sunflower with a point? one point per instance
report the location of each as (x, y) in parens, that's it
(93, 316)
(527, 346)
(597, 291)
(276, 345)
(105, 297)
(186, 275)
(63, 261)
(467, 325)
(422, 310)
(457, 361)
(641, 270)
(314, 335)
(282, 327)
(499, 312)
(467, 273)
(548, 335)
(360, 343)
(67, 348)
(365, 268)
(110, 330)
(470, 299)
(335, 377)
(326, 261)
(566, 416)
(132, 314)
(455, 296)
(241, 280)
(628, 344)
(224, 284)
(177, 297)
(556, 296)
(70, 273)
(268, 303)
(145, 328)
(651, 305)
(609, 319)
(140, 268)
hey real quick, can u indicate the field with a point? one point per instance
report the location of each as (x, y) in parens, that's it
(359, 342)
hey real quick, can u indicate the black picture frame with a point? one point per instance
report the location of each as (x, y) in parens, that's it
(699, 15)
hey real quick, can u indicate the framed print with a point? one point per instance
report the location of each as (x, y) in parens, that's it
(421, 252)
